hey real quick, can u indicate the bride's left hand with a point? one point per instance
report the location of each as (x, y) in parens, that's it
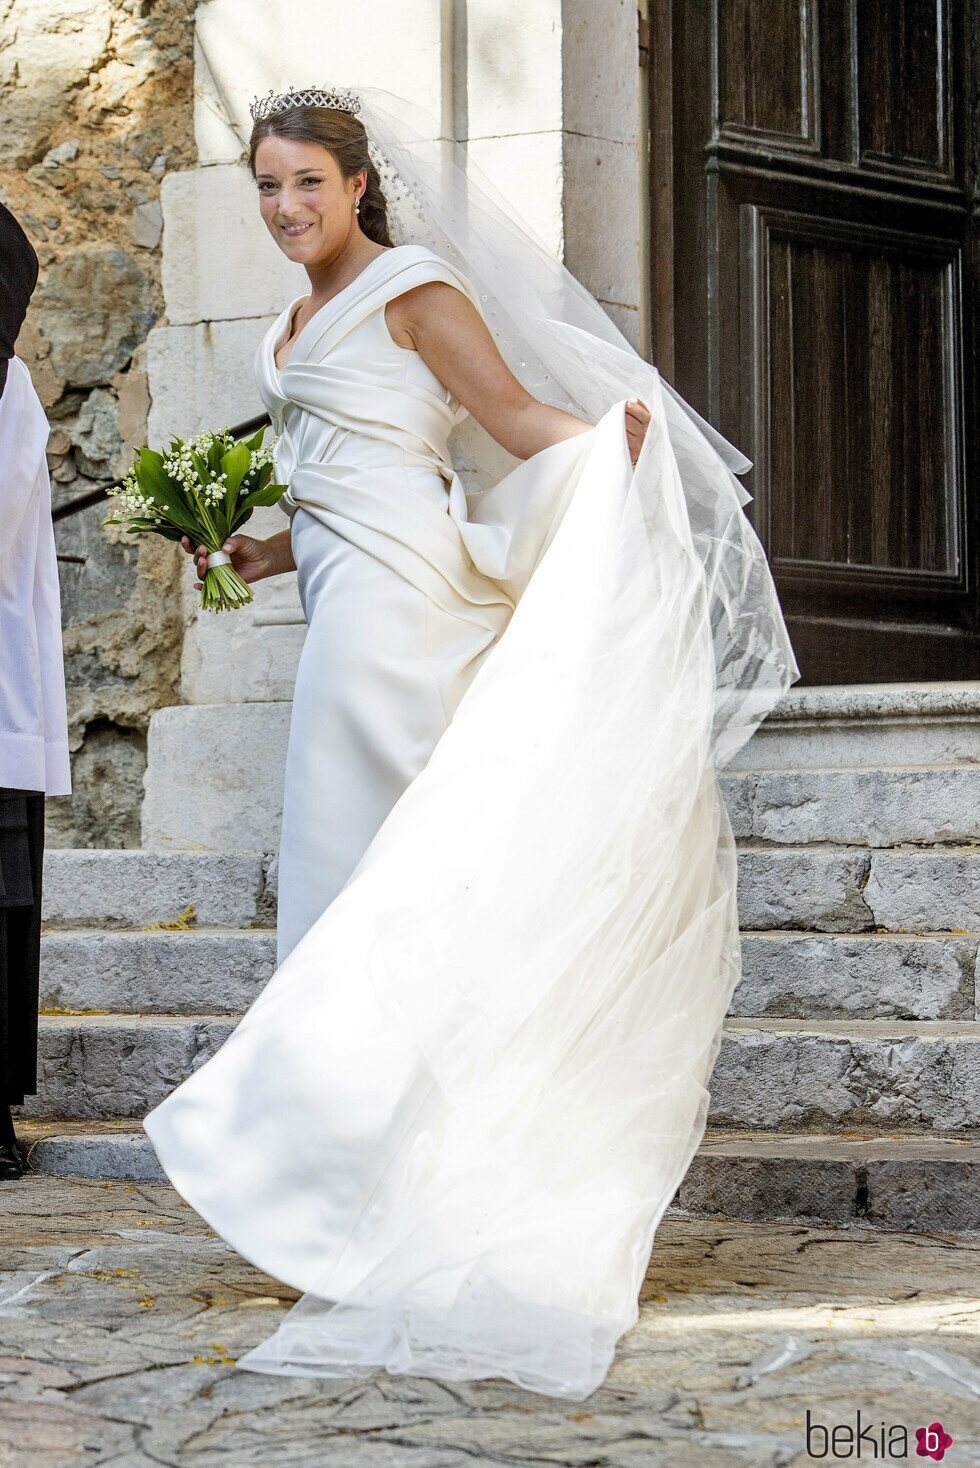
(637, 422)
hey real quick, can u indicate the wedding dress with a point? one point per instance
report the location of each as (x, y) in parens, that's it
(393, 577)
(455, 1115)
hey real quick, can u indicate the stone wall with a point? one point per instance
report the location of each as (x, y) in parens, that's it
(95, 108)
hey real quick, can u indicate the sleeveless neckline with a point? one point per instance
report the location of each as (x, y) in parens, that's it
(288, 312)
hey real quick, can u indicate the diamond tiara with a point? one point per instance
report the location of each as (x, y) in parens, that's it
(273, 101)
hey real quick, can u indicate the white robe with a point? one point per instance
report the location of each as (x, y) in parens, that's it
(458, 1110)
(33, 710)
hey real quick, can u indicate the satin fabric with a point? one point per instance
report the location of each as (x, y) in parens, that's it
(458, 1110)
(403, 592)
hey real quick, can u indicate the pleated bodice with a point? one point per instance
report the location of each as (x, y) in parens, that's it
(364, 427)
(393, 419)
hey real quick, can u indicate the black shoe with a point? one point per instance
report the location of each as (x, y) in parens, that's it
(13, 1160)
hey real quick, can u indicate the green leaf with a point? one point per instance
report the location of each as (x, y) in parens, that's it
(149, 458)
(146, 527)
(255, 442)
(235, 465)
(154, 481)
(270, 495)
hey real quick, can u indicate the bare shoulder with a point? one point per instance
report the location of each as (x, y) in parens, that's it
(426, 307)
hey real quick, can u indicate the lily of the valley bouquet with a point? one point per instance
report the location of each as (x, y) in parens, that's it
(204, 489)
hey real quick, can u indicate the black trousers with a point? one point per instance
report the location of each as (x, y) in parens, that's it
(21, 862)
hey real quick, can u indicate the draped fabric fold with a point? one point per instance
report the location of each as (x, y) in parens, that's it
(473, 556)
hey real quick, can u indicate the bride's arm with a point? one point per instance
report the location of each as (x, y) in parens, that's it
(451, 337)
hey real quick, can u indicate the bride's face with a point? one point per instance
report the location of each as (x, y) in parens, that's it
(307, 204)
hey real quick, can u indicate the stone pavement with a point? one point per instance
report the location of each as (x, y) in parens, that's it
(121, 1316)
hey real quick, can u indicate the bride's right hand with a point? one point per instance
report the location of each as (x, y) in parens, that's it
(249, 557)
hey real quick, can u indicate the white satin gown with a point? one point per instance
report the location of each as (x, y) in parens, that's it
(458, 1110)
(398, 617)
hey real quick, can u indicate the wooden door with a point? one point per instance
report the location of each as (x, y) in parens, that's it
(815, 258)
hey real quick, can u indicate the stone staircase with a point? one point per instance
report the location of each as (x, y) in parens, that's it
(848, 1084)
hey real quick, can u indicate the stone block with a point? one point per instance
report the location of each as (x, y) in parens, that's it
(755, 1188)
(854, 890)
(202, 377)
(925, 889)
(219, 260)
(513, 61)
(155, 972)
(601, 77)
(96, 436)
(871, 976)
(933, 1193)
(856, 807)
(117, 1065)
(888, 1181)
(133, 888)
(242, 658)
(781, 1074)
(602, 218)
(868, 724)
(796, 887)
(235, 755)
(110, 1154)
(528, 170)
(147, 224)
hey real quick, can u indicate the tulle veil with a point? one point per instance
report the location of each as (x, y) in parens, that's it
(550, 908)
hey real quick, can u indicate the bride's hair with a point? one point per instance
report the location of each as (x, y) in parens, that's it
(343, 134)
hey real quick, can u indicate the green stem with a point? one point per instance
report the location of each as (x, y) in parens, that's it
(224, 590)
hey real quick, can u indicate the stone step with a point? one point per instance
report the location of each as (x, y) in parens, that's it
(101, 1149)
(806, 976)
(771, 1074)
(118, 1065)
(208, 971)
(783, 1074)
(784, 973)
(823, 888)
(847, 890)
(928, 794)
(889, 1181)
(848, 724)
(132, 888)
(937, 804)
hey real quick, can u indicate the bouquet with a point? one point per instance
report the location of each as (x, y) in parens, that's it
(205, 489)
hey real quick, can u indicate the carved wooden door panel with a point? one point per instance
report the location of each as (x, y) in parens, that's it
(815, 255)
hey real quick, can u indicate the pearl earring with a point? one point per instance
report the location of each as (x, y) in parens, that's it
(357, 204)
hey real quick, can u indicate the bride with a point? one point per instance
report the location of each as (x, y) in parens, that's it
(508, 936)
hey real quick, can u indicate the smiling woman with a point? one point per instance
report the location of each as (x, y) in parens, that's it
(315, 171)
